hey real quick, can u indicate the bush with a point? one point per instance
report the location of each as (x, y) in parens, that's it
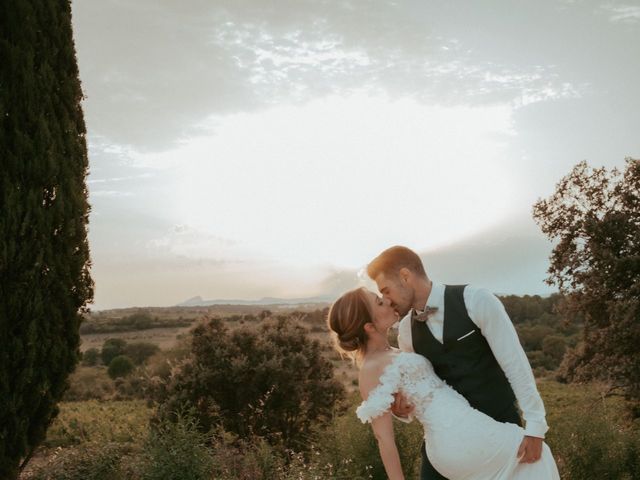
(111, 348)
(94, 461)
(271, 381)
(554, 346)
(121, 366)
(593, 445)
(139, 352)
(88, 383)
(347, 448)
(532, 336)
(539, 359)
(178, 450)
(91, 357)
(125, 423)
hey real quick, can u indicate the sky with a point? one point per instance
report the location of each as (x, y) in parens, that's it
(244, 149)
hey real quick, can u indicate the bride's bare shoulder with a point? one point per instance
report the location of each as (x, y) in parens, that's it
(371, 369)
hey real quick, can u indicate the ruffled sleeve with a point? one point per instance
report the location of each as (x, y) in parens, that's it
(381, 397)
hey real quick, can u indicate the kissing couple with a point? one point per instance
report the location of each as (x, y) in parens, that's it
(459, 371)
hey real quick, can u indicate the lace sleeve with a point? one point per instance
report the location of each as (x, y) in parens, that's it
(381, 397)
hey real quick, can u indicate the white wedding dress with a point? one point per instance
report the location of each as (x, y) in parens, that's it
(462, 443)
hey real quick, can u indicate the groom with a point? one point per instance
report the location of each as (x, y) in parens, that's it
(466, 334)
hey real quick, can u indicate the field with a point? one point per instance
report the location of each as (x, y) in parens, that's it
(575, 413)
(591, 431)
(165, 338)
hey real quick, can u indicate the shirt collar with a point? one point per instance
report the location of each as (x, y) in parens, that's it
(436, 297)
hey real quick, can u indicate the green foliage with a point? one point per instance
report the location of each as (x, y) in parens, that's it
(139, 352)
(591, 435)
(44, 259)
(120, 366)
(137, 321)
(94, 461)
(554, 346)
(269, 381)
(178, 450)
(348, 449)
(100, 422)
(598, 448)
(594, 216)
(88, 383)
(111, 348)
(532, 337)
(528, 308)
(540, 362)
(90, 357)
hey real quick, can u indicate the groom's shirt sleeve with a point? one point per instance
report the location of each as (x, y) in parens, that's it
(404, 343)
(488, 313)
(404, 334)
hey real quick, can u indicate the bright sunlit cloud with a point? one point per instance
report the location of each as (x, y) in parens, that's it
(336, 180)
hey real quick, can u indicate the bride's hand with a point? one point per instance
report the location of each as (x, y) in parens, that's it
(530, 450)
(401, 406)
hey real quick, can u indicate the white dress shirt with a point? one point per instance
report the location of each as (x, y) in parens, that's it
(488, 313)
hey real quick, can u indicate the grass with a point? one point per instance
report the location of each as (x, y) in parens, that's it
(97, 421)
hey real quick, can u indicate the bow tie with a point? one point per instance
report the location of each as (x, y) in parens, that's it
(424, 316)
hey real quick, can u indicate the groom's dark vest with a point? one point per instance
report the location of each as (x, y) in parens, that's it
(466, 364)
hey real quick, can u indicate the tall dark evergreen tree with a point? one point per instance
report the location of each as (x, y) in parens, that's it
(44, 256)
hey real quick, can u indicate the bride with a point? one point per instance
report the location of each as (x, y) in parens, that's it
(461, 442)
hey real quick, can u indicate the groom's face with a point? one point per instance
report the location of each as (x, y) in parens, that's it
(398, 292)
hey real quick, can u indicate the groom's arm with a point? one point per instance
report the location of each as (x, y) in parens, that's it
(486, 311)
(401, 409)
(404, 334)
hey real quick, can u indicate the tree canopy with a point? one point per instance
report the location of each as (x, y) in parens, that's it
(594, 218)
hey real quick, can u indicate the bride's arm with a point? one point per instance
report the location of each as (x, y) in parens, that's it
(383, 430)
(383, 424)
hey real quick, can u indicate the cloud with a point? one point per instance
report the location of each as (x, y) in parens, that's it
(110, 193)
(153, 71)
(623, 13)
(96, 181)
(195, 246)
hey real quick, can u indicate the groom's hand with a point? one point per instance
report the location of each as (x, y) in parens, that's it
(401, 406)
(530, 449)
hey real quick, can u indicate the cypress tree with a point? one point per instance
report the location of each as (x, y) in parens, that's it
(44, 256)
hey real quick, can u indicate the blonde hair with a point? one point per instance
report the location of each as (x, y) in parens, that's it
(393, 259)
(346, 319)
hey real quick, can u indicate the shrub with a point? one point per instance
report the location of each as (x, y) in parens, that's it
(88, 383)
(269, 381)
(111, 348)
(139, 352)
(593, 445)
(347, 448)
(178, 450)
(100, 422)
(140, 320)
(532, 336)
(554, 346)
(90, 357)
(121, 366)
(91, 461)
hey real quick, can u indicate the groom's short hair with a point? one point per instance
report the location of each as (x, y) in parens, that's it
(393, 259)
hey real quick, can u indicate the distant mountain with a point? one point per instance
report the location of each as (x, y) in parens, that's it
(199, 302)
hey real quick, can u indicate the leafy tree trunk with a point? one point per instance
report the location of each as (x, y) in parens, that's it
(44, 260)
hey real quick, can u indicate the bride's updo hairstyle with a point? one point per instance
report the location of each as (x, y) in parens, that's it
(346, 320)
